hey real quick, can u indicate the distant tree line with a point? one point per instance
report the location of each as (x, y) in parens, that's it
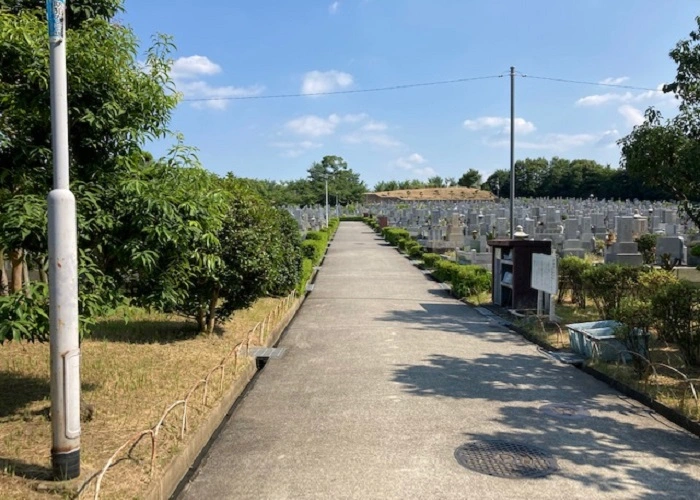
(471, 178)
(559, 177)
(344, 185)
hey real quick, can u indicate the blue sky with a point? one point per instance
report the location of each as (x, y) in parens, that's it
(257, 48)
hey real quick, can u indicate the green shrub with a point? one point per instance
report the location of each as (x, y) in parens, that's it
(307, 269)
(571, 270)
(429, 259)
(676, 309)
(646, 244)
(394, 234)
(411, 246)
(444, 270)
(415, 251)
(607, 284)
(651, 280)
(353, 218)
(470, 280)
(636, 321)
(317, 235)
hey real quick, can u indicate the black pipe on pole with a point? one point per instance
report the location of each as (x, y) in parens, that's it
(512, 152)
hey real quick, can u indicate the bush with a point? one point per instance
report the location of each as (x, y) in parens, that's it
(470, 280)
(444, 270)
(412, 248)
(415, 251)
(307, 269)
(317, 235)
(429, 259)
(675, 308)
(651, 280)
(571, 271)
(353, 218)
(394, 234)
(646, 244)
(607, 284)
(636, 321)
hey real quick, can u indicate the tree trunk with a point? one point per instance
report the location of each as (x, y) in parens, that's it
(201, 316)
(4, 285)
(25, 276)
(211, 319)
(16, 257)
(43, 275)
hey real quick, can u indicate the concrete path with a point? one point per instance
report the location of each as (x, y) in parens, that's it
(385, 376)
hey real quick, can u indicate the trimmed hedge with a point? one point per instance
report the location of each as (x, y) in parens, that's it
(307, 269)
(429, 259)
(353, 218)
(314, 246)
(394, 234)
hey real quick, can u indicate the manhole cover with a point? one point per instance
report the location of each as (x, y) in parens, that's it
(565, 411)
(505, 459)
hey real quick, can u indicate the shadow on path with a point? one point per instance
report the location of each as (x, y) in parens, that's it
(599, 441)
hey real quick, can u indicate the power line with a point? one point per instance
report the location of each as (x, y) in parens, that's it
(356, 91)
(580, 82)
(416, 85)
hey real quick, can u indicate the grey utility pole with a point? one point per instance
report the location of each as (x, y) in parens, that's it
(63, 267)
(512, 152)
(326, 199)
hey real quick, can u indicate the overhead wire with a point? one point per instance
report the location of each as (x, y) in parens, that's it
(417, 85)
(352, 91)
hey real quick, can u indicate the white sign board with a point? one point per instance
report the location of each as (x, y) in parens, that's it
(545, 276)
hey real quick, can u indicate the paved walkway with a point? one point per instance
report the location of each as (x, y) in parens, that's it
(385, 376)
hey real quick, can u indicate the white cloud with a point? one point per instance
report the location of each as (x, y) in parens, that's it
(333, 8)
(316, 126)
(313, 126)
(215, 97)
(600, 99)
(316, 82)
(632, 115)
(295, 149)
(608, 139)
(193, 66)
(522, 126)
(409, 162)
(614, 80)
(648, 97)
(373, 126)
(374, 139)
(415, 165)
(187, 73)
(555, 142)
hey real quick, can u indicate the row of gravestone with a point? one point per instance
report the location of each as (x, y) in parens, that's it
(574, 226)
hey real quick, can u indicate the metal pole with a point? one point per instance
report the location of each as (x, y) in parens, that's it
(326, 200)
(512, 151)
(63, 268)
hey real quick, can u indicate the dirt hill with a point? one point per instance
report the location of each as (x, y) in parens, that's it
(430, 194)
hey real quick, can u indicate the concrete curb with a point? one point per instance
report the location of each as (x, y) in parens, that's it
(180, 467)
(165, 485)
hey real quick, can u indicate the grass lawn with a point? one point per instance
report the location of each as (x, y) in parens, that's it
(130, 373)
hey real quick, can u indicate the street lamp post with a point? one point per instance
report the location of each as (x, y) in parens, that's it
(63, 267)
(326, 199)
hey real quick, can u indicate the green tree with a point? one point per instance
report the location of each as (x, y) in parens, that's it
(435, 182)
(471, 178)
(115, 105)
(664, 153)
(344, 185)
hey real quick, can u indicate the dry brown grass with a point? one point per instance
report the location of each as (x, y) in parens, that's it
(130, 374)
(431, 194)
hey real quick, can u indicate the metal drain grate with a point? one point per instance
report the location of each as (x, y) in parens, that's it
(565, 411)
(506, 459)
(268, 352)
